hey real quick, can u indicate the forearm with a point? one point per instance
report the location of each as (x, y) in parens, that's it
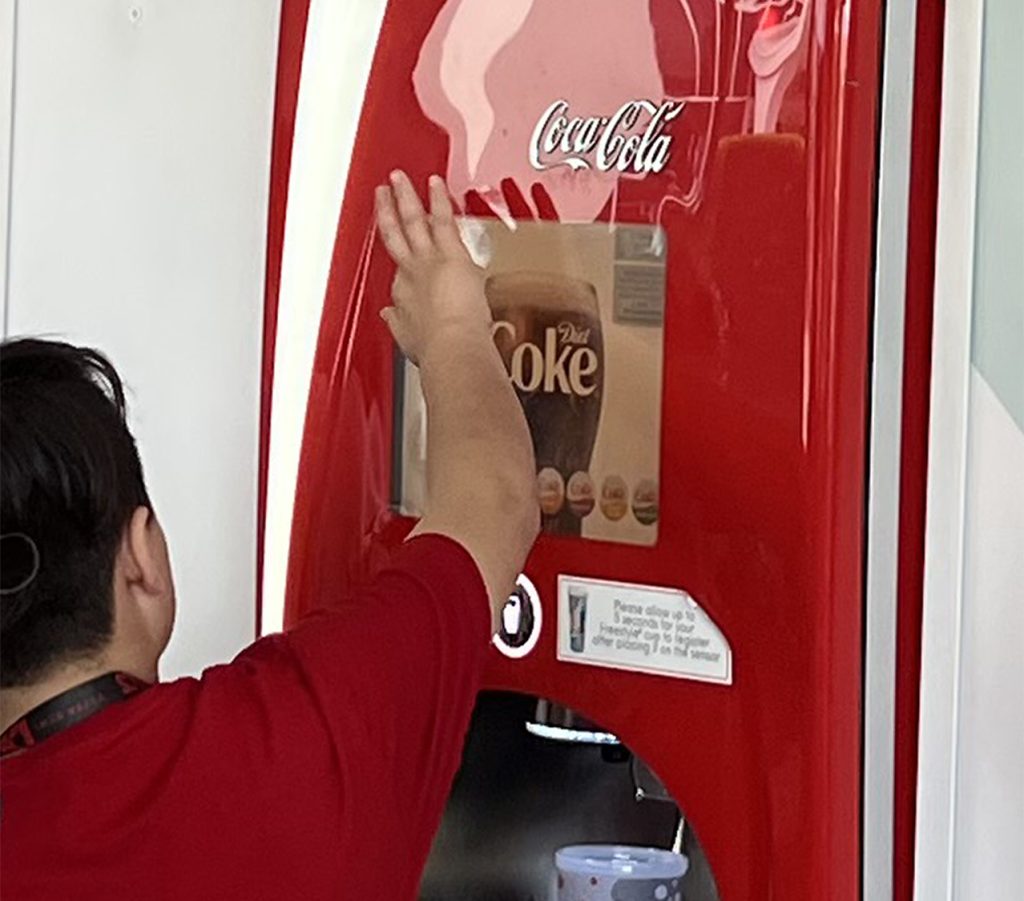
(480, 466)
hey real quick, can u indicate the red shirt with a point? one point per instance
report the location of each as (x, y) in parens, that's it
(315, 765)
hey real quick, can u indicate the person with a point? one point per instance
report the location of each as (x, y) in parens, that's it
(318, 762)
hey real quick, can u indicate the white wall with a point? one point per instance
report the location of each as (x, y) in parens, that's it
(6, 121)
(971, 767)
(989, 801)
(138, 205)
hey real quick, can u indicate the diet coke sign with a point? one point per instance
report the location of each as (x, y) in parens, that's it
(632, 140)
(564, 365)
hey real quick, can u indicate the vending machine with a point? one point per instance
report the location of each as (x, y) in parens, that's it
(675, 203)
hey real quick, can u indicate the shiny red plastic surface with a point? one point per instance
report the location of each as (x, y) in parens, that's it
(763, 438)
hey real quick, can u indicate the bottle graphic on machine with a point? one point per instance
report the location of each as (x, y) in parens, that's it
(577, 619)
(547, 327)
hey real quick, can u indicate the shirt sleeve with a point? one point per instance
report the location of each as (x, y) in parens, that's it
(394, 675)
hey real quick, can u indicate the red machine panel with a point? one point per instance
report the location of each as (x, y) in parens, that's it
(763, 187)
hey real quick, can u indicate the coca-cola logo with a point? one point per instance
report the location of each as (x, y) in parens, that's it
(605, 143)
(565, 364)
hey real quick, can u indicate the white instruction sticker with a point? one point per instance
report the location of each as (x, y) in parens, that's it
(662, 631)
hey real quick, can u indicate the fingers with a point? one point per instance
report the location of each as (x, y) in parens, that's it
(390, 228)
(411, 213)
(404, 226)
(446, 232)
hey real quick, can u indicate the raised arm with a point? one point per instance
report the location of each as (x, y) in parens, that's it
(480, 464)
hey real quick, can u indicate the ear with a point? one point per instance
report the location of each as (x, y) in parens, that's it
(145, 562)
(143, 597)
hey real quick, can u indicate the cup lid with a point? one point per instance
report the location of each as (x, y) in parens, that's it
(621, 860)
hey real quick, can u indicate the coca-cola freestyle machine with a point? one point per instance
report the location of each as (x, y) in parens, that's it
(674, 203)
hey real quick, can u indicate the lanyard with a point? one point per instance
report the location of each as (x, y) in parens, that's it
(67, 709)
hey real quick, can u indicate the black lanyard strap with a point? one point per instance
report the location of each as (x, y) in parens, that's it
(67, 709)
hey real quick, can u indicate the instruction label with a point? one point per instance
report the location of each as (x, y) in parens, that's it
(647, 629)
(638, 294)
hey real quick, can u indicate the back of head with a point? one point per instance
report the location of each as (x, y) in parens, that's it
(71, 478)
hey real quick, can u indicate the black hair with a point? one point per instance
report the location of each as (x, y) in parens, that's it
(71, 479)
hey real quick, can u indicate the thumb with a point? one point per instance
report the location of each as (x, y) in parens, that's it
(392, 317)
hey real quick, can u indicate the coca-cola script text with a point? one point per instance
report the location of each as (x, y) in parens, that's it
(604, 143)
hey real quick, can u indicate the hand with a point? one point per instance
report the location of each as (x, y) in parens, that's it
(438, 292)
